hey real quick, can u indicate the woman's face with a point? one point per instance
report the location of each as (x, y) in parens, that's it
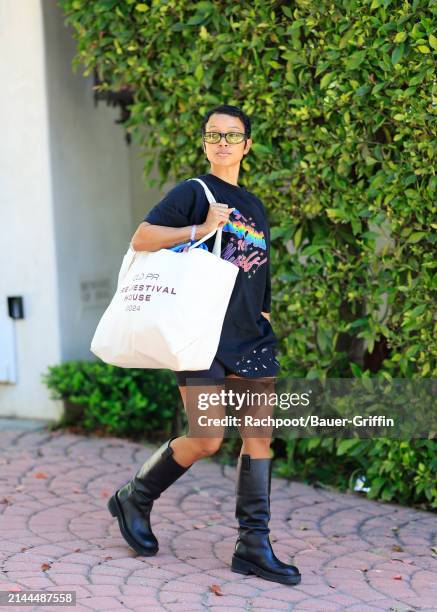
(222, 153)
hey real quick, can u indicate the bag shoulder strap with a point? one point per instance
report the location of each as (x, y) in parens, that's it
(206, 189)
(218, 232)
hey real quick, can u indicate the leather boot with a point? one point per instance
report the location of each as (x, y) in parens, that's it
(133, 502)
(253, 551)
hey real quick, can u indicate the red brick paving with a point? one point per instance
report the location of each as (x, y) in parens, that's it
(54, 489)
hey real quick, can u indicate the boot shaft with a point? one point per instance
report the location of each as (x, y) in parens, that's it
(252, 492)
(156, 474)
(254, 476)
(253, 550)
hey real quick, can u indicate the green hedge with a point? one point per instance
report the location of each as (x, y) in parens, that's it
(400, 471)
(118, 401)
(343, 108)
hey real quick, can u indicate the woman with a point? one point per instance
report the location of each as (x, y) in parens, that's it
(246, 348)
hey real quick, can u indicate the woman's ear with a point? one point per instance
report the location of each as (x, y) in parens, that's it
(247, 147)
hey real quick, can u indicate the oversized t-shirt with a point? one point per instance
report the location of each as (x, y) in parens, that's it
(248, 344)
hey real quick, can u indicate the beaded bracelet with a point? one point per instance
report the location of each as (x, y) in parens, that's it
(193, 232)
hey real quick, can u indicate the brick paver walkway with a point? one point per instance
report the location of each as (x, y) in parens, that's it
(55, 532)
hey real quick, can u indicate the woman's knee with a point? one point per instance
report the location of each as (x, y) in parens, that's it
(208, 446)
(257, 444)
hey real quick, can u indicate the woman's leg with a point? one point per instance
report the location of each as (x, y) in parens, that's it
(258, 448)
(132, 503)
(253, 552)
(187, 450)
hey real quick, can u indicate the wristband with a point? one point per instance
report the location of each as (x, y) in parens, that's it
(193, 232)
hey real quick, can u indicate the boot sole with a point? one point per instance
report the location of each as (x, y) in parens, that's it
(115, 510)
(240, 566)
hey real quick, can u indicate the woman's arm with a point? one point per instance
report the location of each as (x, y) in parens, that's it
(266, 315)
(150, 237)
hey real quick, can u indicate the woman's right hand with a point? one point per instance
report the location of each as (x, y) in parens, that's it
(218, 216)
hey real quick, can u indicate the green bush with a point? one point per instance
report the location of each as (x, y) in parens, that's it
(119, 401)
(400, 471)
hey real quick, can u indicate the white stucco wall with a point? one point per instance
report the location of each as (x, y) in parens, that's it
(91, 190)
(27, 246)
(71, 196)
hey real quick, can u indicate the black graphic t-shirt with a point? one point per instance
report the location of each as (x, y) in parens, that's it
(248, 343)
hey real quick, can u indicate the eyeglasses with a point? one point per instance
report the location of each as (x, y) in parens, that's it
(230, 137)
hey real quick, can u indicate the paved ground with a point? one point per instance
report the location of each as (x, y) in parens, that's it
(55, 532)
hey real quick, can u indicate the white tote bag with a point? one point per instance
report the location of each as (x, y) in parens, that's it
(168, 309)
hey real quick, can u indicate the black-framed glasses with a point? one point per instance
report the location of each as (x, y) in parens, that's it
(230, 137)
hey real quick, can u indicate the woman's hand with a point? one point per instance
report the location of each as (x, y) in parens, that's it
(218, 216)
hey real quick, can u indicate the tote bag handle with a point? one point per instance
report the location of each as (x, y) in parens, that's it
(217, 248)
(130, 255)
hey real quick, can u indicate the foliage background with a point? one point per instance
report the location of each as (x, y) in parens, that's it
(126, 402)
(343, 109)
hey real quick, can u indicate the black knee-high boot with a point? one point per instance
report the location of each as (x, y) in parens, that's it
(133, 502)
(253, 551)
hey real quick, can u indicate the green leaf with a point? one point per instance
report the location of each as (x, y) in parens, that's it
(337, 213)
(345, 446)
(397, 54)
(376, 486)
(141, 8)
(297, 238)
(106, 5)
(323, 339)
(370, 235)
(204, 6)
(411, 314)
(326, 79)
(196, 19)
(198, 73)
(287, 12)
(260, 148)
(312, 248)
(346, 38)
(400, 37)
(416, 237)
(278, 231)
(433, 41)
(355, 60)
(356, 370)
(363, 90)
(362, 322)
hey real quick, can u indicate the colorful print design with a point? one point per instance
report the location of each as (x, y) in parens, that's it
(246, 246)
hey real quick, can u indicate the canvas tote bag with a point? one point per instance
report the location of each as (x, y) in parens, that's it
(168, 309)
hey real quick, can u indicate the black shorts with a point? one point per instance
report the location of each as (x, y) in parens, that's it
(217, 370)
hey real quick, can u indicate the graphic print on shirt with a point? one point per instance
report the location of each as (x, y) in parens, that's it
(246, 247)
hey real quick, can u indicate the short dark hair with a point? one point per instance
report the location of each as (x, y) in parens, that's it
(227, 109)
